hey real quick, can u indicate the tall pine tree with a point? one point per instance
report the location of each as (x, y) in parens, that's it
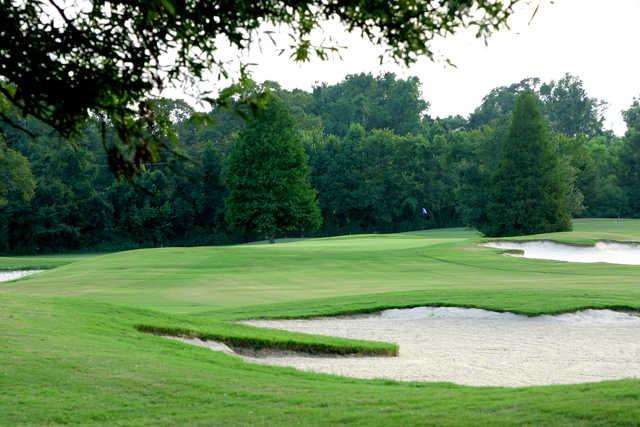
(529, 189)
(266, 173)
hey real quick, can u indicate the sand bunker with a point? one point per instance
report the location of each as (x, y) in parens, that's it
(612, 253)
(211, 345)
(5, 276)
(477, 347)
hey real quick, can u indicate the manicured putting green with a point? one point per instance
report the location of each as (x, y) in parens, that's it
(440, 266)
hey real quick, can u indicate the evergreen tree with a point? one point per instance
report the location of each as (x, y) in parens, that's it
(528, 190)
(266, 173)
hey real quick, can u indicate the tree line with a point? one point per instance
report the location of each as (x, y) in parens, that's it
(368, 158)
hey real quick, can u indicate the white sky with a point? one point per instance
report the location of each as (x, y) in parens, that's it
(593, 39)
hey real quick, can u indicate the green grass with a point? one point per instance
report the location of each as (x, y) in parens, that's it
(40, 262)
(71, 350)
(589, 231)
(246, 337)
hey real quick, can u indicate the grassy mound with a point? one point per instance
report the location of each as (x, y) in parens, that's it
(246, 337)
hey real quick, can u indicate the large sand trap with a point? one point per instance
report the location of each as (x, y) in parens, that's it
(5, 276)
(477, 347)
(612, 253)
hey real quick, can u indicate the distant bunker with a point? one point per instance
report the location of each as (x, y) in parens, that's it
(8, 275)
(607, 252)
(473, 347)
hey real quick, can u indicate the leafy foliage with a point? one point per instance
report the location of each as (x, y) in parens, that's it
(367, 179)
(267, 177)
(61, 60)
(16, 180)
(565, 104)
(630, 159)
(571, 111)
(383, 102)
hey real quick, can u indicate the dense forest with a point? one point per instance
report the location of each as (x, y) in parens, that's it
(375, 159)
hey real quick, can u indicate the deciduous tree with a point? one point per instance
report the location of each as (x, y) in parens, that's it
(61, 60)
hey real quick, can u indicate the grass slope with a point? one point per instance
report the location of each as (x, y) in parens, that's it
(589, 231)
(40, 262)
(70, 351)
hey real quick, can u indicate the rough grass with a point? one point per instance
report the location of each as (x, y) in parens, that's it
(71, 354)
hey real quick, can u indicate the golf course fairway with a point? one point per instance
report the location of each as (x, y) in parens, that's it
(77, 343)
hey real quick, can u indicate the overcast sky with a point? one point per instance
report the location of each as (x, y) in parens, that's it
(594, 39)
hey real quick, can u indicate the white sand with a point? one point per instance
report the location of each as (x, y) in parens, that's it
(212, 345)
(612, 253)
(477, 347)
(5, 276)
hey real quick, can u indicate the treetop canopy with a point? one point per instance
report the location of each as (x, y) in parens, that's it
(61, 60)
